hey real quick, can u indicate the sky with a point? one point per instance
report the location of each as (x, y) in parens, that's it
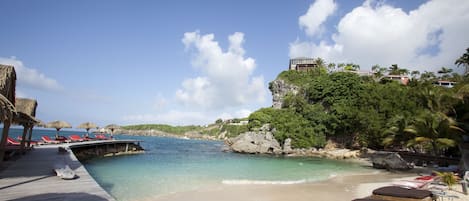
(184, 62)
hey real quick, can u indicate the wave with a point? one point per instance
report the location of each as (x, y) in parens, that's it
(262, 182)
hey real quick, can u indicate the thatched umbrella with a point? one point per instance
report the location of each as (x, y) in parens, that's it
(58, 125)
(26, 109)
(7, 102)
(87, 126)
(112, 127)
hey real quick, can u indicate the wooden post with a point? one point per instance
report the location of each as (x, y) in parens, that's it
(3, 142)
(30, 136)
(23, 139)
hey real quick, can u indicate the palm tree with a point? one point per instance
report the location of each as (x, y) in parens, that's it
(397, 133)
(435, 130)
(378, 71)
(445, 73)
(395, 70)
(320, 62)
(464, 61)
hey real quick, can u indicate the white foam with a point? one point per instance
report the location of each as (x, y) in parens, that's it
(262, 182)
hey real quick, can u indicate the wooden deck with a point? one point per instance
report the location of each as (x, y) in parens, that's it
(31, 177)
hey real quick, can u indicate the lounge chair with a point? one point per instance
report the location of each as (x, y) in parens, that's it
(12, 141)
(76, 138)
(396, 193)
(101, 137)
(47, 140)
(33, 142)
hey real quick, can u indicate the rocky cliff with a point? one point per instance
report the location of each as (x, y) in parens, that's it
(280, 89)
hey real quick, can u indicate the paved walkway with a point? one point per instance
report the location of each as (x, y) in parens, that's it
(31, 177)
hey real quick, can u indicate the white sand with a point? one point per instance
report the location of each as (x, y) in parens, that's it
(340, 188)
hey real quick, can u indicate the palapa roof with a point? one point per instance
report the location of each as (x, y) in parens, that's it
(7, 92)
(7, 110)
(8, 82)
(26, 109)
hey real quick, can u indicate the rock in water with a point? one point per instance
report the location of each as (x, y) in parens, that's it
(260, 142)
(389, 161)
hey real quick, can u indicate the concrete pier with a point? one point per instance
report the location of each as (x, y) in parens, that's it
(31, 177)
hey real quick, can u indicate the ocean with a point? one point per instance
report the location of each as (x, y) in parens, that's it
(171, 165)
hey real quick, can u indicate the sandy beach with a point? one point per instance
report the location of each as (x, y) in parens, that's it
(340, 188)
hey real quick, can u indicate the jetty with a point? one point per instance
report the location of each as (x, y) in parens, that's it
(31, 177)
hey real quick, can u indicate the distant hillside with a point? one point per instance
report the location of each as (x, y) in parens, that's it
(219, 130)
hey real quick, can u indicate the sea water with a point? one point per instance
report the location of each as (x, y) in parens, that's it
(171, 165)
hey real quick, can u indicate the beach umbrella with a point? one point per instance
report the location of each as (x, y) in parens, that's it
(58, 125)
(112, 127)
(87, 126)
(40, 123)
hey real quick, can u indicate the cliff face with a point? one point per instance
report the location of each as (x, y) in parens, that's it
(280, 89)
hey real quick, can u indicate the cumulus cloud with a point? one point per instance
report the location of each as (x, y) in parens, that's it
(173, 117)
(316, 15)
(427, 38)
(226, 77)
(30, 77)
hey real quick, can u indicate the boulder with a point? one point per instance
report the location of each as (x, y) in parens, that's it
(389, 161)
(259, 142)
(287, 146)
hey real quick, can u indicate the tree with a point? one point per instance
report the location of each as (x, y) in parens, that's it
(378, 71)
(352, 67)
(444, 72)
(464, 61)
(397, 133)
(395, 70)
(320, 62)
(435, 130)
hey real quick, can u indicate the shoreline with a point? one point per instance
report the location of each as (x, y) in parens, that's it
(339, 188)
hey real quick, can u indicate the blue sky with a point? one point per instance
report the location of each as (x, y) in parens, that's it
(191, 62)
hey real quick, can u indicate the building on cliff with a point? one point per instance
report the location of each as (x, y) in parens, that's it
(302, 64)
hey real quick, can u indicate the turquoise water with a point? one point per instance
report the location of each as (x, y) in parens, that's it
(175, 165)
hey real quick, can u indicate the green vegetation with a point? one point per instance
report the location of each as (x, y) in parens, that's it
(164, 128)
(361, 111)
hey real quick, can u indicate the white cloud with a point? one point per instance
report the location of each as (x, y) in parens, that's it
(225, 78)
(30, 77)
(173, 117)
(427, 38)
(316, 16)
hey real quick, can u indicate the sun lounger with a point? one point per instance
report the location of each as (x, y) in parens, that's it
(417, 184)
(33, 142)
(402, 194)
(101, 137)
(12, 141)
(47, 140)
(76, 138)
(367, 199)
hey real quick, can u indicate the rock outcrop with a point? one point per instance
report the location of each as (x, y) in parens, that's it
(287, 146)
(280, 89)
(258, 142)
(389, 161)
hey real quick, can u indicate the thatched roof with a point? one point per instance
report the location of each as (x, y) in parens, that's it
(26, 109)
(58, 124)
(8, 82)
(27, 106)
(87, 125)
(7, 110)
